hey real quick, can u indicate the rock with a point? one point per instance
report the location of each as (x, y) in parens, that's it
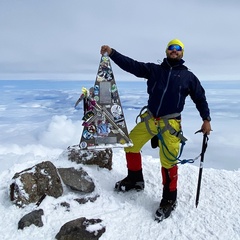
(64, 205)
(86, 199)
(30, 185)
(81, 229)
(100, 157)
(77, 179)
(33, 217)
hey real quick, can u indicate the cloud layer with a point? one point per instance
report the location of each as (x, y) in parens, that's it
(61, 40)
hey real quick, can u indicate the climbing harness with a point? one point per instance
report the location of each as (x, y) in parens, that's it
(146, 115)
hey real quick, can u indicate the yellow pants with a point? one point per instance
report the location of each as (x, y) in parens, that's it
(140, 135)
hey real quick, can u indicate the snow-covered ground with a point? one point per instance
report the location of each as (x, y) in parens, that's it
(38, 122)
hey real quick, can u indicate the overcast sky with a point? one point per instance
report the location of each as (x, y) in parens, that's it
(61, 39)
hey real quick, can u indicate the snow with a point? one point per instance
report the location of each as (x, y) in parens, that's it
(38, 123)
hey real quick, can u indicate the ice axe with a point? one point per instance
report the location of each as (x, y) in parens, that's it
(204, 147)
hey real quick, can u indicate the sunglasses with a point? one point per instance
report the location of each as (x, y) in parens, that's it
(176, 47)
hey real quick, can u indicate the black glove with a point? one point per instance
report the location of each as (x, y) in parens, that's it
(154, 142)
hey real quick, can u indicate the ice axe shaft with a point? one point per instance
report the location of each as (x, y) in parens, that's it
(204, 147)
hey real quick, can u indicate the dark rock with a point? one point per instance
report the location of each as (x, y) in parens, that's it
(77, 179)
(81, 229)
(32, 184)
(64, 205)
(100, 157)
(86, 199)
(33, 217)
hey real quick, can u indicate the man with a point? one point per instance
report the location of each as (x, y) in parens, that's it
(168, 85)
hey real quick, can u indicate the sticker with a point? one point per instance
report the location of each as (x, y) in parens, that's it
(100, 79)
(96, 98)
(105, 71)
(116, 111)
(96, 90)
(114, 88)
(87, 135)
(122, 141)
(83, 145)
(115, 131)
(104, 59)
(105, 94)
(88, 115)
(114, 96)
(103, 129)
(91, 129)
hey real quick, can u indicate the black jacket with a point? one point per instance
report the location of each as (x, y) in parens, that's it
(168, 85)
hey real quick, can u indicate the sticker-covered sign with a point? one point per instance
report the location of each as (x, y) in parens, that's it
(104, 122)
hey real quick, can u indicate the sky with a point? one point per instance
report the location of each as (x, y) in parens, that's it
(60, 39)
(38, 122)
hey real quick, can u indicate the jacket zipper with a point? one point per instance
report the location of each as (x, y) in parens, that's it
(179, 96)
(169, 74)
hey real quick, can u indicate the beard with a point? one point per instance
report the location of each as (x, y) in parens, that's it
(174, 57)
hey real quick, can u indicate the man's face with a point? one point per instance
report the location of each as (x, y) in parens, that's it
(174, 53)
